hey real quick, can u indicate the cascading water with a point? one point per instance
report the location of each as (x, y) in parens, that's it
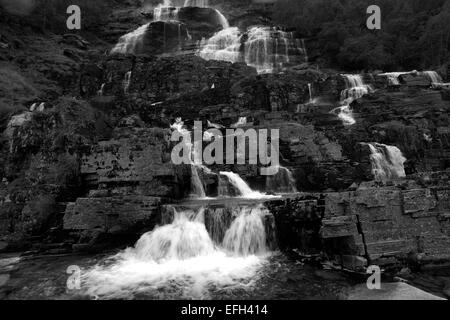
(387, 162)
(197, 189)
(345, 114)
(224, 45)
(131, 42)
(434, 77)
(169, 10)
(355, 88)
(242, 187)
(127, 82)
(247, 234)
(310, 93)
(282, 182)
(102, 89)
(266, 48)
(179, 260)
(393, 77)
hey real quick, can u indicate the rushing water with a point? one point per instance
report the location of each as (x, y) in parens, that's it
(181, 260)
(387, 162)
(243, 188)
(355, 89)
(433, 76)
(131, 42)
(345, 114)
(266, 48)
(197, 188)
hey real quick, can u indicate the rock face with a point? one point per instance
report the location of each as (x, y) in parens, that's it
(99, 165)
(381, 226)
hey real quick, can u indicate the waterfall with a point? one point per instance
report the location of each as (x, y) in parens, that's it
(180, 260)
(130, 42)
(393, 76)
(102, 89)
(387, 162)
(310, 93)
(223, 21)
(247, 233)
(164, 13)
(197, 189)
(169, 10)
(224, 45)
(345, 114)
(304, 50)
(266, 48)
(185, 238)
(434, 77)
(282, 182)
(242, 186)
(197, 3)
(127, 82)
(355, 88)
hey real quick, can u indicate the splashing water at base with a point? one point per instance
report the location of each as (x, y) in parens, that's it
(247, 233)
(179, 260)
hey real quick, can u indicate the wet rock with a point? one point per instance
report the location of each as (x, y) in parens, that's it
(3, 246)
(445, 94)
(75, 40)
(329, 275)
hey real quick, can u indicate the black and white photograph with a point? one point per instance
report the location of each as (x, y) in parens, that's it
(245, 152)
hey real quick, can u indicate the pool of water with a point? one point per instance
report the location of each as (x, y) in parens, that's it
(277, 277)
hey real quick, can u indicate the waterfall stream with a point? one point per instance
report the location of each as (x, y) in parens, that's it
(180, 259)
(268, 49)
(387, 162)
(355, 89)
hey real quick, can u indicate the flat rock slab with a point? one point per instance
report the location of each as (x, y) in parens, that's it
(391, 291)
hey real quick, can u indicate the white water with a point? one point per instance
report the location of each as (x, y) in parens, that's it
(387, 162)
(169, 10)
(127, 82)
(179, 260)
(355, 88)
(434, 77)
(242, 186)
(345, 114)
(265, 48)
(102, 90)
(224, 45)
(393, 76)
(130, 42)
(247, 234)
(310, 93)
(197, 188)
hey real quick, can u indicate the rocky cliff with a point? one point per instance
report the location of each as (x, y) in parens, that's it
(91, 159)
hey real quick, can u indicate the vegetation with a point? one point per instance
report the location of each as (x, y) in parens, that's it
(414, 33)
